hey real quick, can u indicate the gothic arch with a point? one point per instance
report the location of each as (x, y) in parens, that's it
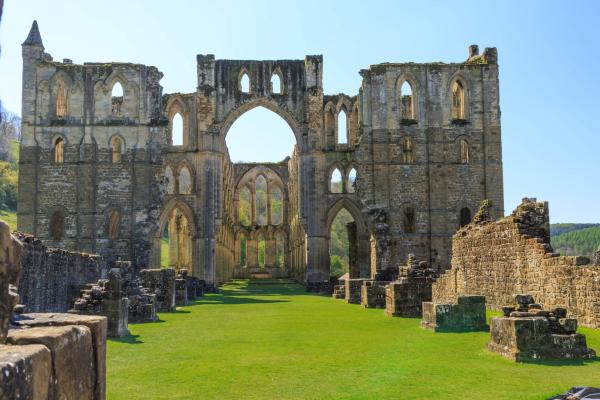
(458, 76)
(168, 208)
(352, 207)
(412, 81)
(269, 104)
(177, 105)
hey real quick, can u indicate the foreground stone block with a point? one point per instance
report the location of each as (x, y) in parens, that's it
(373, 294)
(25, 372)
(467, 315)
(527, 332)
(353, 288)
(73, 370)
(98, 328)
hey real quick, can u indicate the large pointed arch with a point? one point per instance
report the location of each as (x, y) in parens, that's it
(352, 207)
(269, 104)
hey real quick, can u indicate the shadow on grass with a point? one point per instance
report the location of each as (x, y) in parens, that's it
(129, 339)
(561, 363)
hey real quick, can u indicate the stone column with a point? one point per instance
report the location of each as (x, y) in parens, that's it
(353, 268)
(252, 253)
(317, 269)
(270, 252)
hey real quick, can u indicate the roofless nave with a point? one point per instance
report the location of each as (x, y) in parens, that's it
(100, 171)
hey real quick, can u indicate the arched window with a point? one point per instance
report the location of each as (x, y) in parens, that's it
(276, 86)
(61, 100)
(276, 206)
(354, 124)
(351, 180)
(57, 225)
(464, 152)
(335, 182)
(261, 200)
(406, 101)
(245, 207)
(177, 130)
(342, 137)
(329, 127)
(185, 181)
(113, 226)
(59, 151)
(116, 147)
(280, 250)
(465, 217)
(458, 100)
(169, 180)
(407, 151)
(116, 99)
(245, 83)
(261, 251)
(243, 247)
(409, 222)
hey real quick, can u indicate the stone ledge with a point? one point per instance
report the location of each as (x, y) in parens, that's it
(25, 372)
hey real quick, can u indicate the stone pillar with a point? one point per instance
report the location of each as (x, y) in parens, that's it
(353, 269)
(10, 271)
(270, 252)
(252, 253)
(317, 269)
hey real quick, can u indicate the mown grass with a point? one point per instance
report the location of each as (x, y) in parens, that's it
(10, 218)
(258, 341)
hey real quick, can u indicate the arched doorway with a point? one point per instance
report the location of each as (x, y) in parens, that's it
(174, 240)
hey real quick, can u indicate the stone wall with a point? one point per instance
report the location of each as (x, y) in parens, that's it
(51, 279)
(499, 259)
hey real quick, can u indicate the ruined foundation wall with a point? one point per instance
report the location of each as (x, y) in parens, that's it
(512, 255)
(52, 278)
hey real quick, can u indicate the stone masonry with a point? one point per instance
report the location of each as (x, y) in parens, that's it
(161, 282)
(46, 356)
(404, 297)
(499, 259)
(527, 332)
(124, 181)
(467, 314)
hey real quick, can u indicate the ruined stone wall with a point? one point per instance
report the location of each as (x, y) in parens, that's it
(512, 256)
(52, 278)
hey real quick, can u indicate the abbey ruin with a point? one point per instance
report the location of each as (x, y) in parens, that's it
(418, 148)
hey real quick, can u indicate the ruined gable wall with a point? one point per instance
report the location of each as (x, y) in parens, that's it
(510, 256)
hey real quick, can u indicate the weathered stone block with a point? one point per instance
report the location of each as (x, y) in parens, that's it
(74, 375)
(98, 328)
(25, 372)
(161, 282)
(467, 315)
(353, 288)
(373, 294)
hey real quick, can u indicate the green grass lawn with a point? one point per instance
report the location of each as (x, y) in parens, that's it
(10, 218)
(260, 341)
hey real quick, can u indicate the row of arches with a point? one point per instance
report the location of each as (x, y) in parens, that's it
(261, 251)
(260, 203)
(112, 230)
(245, 84)
(181, 182)
(116, 144)
(61, 101)
(407, 99)
(341, 126)
(342, 182)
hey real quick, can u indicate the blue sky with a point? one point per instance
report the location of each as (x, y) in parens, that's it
(548, 56)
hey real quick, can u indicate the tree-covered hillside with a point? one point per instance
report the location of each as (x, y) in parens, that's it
(582, 242)
(559, 229)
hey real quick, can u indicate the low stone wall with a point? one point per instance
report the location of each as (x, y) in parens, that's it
(352, 290)
(499, 259)
(468, 314)
(373, 294)
(51, 279)
(161, 282)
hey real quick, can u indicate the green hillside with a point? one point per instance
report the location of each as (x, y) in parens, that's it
(559, 229)
(578, 242)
